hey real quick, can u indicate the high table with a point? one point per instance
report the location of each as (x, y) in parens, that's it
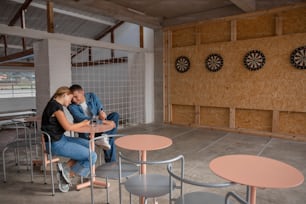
(256, 172)
(92, 130)
(143, 143)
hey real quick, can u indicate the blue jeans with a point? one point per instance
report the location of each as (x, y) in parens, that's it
(77, 149)
(110, 155)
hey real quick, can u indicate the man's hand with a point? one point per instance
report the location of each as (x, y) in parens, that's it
(102, 115)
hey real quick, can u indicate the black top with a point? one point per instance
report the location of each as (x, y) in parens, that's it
(49, 123)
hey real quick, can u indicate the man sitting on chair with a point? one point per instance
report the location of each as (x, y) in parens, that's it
(86, 106)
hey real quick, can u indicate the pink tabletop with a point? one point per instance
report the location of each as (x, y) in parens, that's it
(256, 171)
(143, 142)
(94, 129)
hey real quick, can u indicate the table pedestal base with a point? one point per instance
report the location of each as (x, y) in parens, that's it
(95, 182)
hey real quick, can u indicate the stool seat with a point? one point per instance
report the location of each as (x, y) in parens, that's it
(111, 169)
(148, 185)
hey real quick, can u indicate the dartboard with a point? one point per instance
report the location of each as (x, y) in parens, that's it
(182, 64)
(298, 57)
(254, 60)
(214, 62)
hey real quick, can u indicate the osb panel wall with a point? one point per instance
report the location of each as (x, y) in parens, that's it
(254, 119)
(182, 114)
(253, 94)
(277, 86)
(294, 21)
(292, 122)
(184, 37)
(214, 116)
(215, 31)
(256, 27)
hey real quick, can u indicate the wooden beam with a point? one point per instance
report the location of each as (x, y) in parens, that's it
(275, 121)
(16, 55)
(233, 30)
(5, 44)
(50, 17)
(22, 22)
(141, 36)
(17, 64)
(116, 11)
(112, 41)
(232, 118)
(99, 62)
(245, 5)
(17, 15)
(108, 30)
(37, 34)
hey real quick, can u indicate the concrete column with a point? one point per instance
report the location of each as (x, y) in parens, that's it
(52, 69)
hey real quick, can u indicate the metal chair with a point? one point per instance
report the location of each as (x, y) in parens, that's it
(147, 185)
(25, 143)
(47, 158)
(110, 170)
(199, 197)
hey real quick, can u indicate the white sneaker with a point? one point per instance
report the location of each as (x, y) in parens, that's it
(103, 142)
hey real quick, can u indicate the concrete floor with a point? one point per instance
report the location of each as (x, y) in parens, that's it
(198, 145)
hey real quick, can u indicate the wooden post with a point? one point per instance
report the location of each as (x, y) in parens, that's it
(233, 30)
(232, 118)
(278, 25)
(141, 43)
(275, 121)
(197, 114)
(50, 17)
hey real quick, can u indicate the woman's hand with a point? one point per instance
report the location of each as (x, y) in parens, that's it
(85, 122)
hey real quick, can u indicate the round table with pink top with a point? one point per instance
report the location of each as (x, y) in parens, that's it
(256, 172)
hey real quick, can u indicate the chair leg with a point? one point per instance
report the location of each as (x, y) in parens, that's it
(4, 168)
(107, 193)
(52, 177)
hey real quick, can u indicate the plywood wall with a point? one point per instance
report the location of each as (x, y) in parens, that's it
(236, 97)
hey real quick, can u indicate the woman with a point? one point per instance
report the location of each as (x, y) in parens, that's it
(55, 123)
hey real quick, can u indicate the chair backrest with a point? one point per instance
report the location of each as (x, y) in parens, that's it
(46, 153)
(152, 178)
(182, 180)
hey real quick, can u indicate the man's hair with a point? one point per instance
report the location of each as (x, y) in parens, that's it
(75, 87)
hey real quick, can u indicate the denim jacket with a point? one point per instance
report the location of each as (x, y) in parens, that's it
(94, 105)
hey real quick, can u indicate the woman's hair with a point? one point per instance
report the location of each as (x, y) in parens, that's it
(61, 91)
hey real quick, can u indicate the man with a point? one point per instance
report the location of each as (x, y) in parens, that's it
(86, 106)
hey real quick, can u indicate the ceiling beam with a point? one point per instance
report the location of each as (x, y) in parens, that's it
(17, 64)
(16, 56)
(108, 30)
(17, 15)
(69, 13)
(50, 17)
(37, 34)
(113, 10)
(245, 5)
